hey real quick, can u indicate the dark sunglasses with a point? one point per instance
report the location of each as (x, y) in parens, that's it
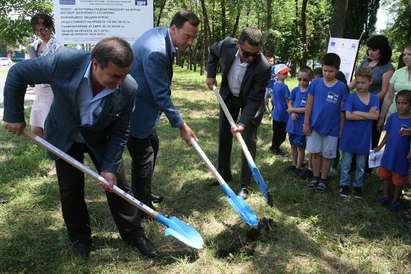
(246, 54)
(303, 79)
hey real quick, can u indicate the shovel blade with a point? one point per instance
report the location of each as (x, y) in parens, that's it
(262, 185)
(244, 210)
(181, 231)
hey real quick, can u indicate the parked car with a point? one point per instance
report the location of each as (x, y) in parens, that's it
(5, 61)
(17, 56)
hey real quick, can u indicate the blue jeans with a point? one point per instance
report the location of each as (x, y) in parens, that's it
(345, 178)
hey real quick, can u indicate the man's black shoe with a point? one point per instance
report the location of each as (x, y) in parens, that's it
(81, 249)
(144, 245)
(243, 193)
(156, 198)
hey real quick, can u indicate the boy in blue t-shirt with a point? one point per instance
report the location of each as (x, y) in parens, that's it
(361, 108)
(296, 109)
(280, 93)
(394, 163)
(323, 120)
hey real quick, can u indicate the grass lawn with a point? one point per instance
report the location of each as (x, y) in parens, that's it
(312, 232)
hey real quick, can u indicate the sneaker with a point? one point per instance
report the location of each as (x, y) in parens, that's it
(313, 183)
(344, 191)
(394, 206)
(357, 192)
(322, 186)
(384, 201)
(304, 173)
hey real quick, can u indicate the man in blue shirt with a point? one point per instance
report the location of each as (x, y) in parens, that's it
(153, 70)
(93, 99)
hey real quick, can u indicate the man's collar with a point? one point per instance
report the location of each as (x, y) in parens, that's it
(87, 73)
(173, 48)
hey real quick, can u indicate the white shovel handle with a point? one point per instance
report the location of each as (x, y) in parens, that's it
(70, 160)
(230, 119)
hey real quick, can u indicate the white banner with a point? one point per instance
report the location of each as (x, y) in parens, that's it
(347, 50)
(88, 21)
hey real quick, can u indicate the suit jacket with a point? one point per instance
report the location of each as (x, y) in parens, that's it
(153, 70)
(64, 71)
(254, 82)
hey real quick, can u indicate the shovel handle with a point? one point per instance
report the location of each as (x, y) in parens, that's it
(230, 119)
(73, 162)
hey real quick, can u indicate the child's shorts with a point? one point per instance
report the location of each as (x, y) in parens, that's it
(326, 145)
(390, 176)
(297, 140)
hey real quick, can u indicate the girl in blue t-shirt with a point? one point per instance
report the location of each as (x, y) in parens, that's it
(280, 93)
(394, 163)
(296, 109)
(361, 108)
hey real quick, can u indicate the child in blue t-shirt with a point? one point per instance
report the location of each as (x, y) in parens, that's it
(323, 120)
(394, 163)
(361, 108)
(280, 93)
(296, 109)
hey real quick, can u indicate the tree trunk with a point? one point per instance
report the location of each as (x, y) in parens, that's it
(206, 27)
(237, 21)
(160, 13)
(303, 25)
(269, 14)
(338, 19)
(223, 18)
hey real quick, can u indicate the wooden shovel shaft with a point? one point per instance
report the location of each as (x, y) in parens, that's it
(70, 160)
(230, 119)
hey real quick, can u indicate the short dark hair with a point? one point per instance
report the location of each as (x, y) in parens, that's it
(408, 45)
(43, 18)
(308, 71)
(381, 43)
(114, 50)
(318, 72)
(183, 16)
(364, 72)
(332, 59)
(406, 94)
(252, 35)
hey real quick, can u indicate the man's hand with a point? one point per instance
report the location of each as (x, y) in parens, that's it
(294, 116)
(15, 128)
(111, 179)
(237, 129)
(211, 82)
(307, 129)
(187, 133)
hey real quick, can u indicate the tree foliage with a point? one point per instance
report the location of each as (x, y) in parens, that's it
(15, 19)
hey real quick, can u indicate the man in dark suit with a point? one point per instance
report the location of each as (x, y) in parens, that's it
(153, 70)
(93, 99)
(245, 73)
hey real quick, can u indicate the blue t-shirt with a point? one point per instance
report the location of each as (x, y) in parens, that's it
(397, 146)
(356, 134)
(279, 100)
(327, 105)
(299, 99)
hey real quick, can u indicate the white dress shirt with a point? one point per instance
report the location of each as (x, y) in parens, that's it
(236, 74)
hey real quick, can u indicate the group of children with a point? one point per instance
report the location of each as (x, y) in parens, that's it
(322, 116)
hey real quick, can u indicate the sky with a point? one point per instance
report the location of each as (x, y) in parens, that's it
(382, 19)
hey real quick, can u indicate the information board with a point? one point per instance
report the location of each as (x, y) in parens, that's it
(347, 50)
(88, 21)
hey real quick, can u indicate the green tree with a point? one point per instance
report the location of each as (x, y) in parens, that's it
(15, 19)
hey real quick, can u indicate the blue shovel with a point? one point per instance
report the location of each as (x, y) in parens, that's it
(175, 227)
(240, 206)
(262, 185)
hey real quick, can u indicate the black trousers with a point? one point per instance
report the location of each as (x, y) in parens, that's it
(279, 134)
(225, 142)
(74, 208)
(144, 154)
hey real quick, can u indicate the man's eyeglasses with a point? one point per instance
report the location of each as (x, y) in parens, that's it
(303, 79)
(246, 54)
